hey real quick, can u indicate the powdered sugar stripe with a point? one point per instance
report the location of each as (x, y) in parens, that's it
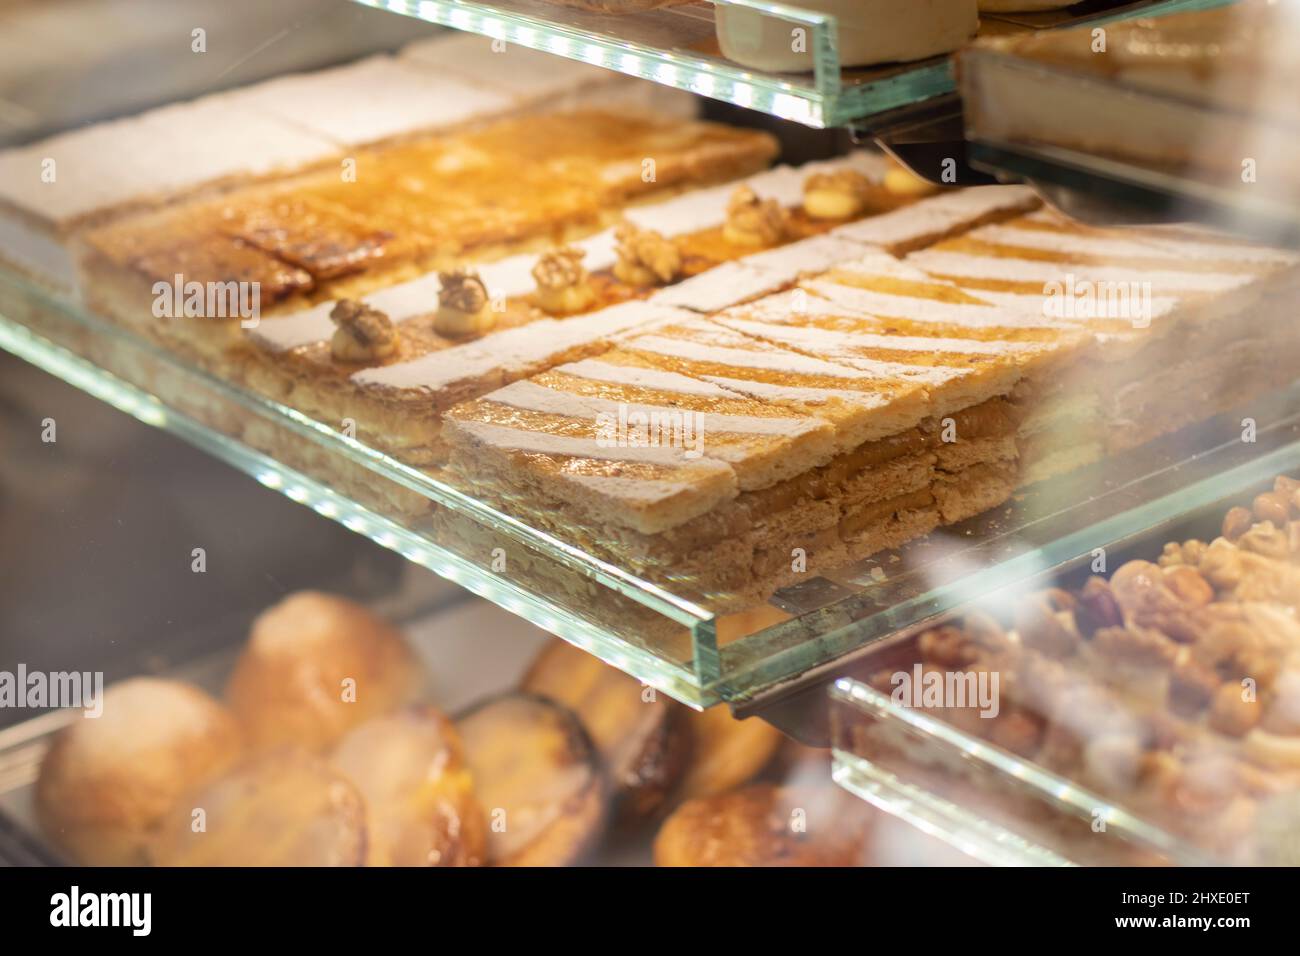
(963, 266)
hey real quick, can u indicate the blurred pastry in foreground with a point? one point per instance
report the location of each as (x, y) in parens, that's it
(288, 808)
(315, 666)
(765, 825)
(725, 752)
(538, 778)
(106, 783)
(420, 808)
(641, 736)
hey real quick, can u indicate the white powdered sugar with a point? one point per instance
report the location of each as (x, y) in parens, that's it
(937, 215)
(718, 288)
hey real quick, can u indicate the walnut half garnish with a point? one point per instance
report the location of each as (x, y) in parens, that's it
(562, 281)
(752, 221)
(462, 303)
(645, 257)
(363, 334)
(840, 194)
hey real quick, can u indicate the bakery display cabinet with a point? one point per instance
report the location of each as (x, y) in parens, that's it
(757, 422)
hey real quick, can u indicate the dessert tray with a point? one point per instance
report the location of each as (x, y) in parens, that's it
(677, 46)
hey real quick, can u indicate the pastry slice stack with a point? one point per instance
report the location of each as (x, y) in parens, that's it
(860, 462)
(1187, 324)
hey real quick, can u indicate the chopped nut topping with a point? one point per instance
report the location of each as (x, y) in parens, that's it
(645, 256)
(462, 290)
(462, 304)
(363, 333)
(562, 286)
(754, 221)
(560, 268)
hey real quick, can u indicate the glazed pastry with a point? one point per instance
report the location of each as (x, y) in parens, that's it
(563, 286)
(725, 752)
(538, 778)
(410, 770)
(317, 236)
(284, 809)
(316, 666)
(464, 307)
(765, 825)
(642, 737)
(107, 783)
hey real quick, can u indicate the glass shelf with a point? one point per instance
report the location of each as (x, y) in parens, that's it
(663, 639)
(677, 46)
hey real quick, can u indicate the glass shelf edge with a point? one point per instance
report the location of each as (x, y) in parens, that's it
(102, 385)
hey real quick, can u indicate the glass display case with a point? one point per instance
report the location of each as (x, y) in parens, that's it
(475, 259)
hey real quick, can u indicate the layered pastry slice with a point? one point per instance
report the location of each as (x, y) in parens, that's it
(406, 210)
(626, 456)
(389, 383)
(622, 263)
(1187, 325)
(1059, 428)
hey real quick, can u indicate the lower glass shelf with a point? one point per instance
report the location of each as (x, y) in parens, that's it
(662, 638)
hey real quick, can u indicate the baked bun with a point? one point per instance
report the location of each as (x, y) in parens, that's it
(538, 778)
(765, 825)
(315, 667)
(642, 736)
(106, 783)
(725, 752)
(288, 808)
(420, 808)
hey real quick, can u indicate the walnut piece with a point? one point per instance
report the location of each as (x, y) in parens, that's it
(645, 257)
(363, 334)
(752, 221)
(462, 303)
(562, 281)
(839, 194)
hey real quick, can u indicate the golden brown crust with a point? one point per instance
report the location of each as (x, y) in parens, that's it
(288, 808)
(421, 809)
(764, 825)
(642, 737)
(538, 779)
(107, 782)
(315, 666)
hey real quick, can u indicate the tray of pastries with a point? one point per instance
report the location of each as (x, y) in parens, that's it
(329, 736)
(1136, 707)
